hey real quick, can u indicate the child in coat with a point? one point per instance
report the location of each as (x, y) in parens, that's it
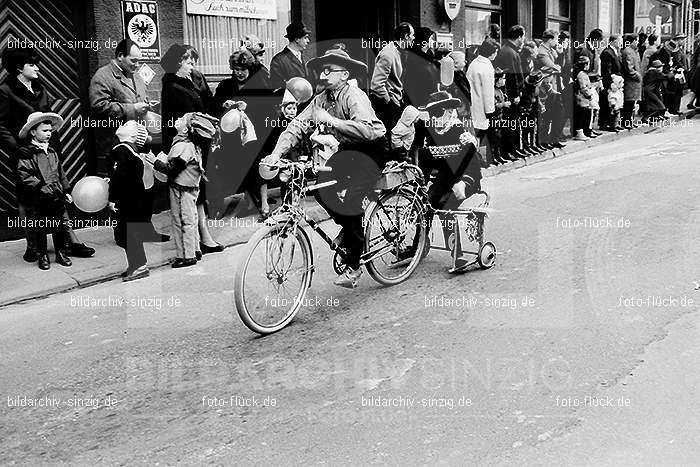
(498, 120)
(185, 170)
(616, 99)
(585, 95)
(130, 179)
(43, 187)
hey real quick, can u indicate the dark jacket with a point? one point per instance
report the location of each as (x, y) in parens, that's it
(178, 97)
(126, 187)
(41, 182)
(508, 59)
(610, 64)
(420, 77)
(16, 103)
(112, 99)
(285, 65)
(652, 98)
(632, 73)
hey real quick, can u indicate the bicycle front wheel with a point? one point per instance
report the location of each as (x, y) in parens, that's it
(395, 237)
(273, 277)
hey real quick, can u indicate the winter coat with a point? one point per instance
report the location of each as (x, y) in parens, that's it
(632, 73)
(16, 103)
(652, 98)
(112, 99)
(41, 181)
(126, 187)
(583, 90)
(421, 77)
(482, 84)
(610, 64)
(178, 97)
(546, 60)
(508, 59)
(284, 66)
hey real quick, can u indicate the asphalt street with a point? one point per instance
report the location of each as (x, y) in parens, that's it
(579, 347)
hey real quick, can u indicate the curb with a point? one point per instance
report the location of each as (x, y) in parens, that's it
(315, 211)
(319, 214)
(577, 146)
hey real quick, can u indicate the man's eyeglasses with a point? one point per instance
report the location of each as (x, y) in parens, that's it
(328, 70)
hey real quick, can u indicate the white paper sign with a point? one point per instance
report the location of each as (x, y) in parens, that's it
(259, 9)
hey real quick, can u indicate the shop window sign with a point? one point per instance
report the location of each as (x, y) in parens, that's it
(652, 15)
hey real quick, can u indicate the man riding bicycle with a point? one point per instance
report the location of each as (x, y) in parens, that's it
(344, 112)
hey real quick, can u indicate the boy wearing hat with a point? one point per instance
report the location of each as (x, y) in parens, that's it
(43, 186)
(185, 170)
(129, 197)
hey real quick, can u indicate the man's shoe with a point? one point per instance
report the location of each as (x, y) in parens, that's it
(558, 145)
(198, 255)
(520, 154)
(184, 263)
(210, 249)
(80, 250)
(596, 133)
(44, 263)
(511, 157)
(30, 255)
(137, 273)
(349, 279)
(62, 259)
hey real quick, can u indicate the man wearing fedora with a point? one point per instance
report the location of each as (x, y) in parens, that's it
(344, 112)
(289, 62)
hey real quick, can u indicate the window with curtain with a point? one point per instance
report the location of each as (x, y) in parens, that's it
(216, 37)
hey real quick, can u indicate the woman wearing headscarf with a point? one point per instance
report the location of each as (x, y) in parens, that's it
(185, 90)
(22, 94)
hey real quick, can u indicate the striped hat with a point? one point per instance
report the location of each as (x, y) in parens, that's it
(135, 132)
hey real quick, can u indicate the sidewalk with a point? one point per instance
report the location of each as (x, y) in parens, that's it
(23, 281)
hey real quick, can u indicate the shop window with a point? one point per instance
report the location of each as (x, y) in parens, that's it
(478, 15)
(561, 8)
(216, 37)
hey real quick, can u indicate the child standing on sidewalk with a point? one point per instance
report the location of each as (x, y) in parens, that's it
(185, 170)
(131, 177)
(585, 93)
(43, 187)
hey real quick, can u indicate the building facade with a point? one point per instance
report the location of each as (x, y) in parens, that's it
(75, 38)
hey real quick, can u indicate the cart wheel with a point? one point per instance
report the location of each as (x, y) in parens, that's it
(487, 255)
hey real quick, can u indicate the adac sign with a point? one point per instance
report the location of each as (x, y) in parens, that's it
(140, 24)
(452, 8)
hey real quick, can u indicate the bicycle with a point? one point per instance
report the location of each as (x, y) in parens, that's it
(280, 255)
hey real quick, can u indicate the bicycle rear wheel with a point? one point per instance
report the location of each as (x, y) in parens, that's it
(395, 237)
(272, 278)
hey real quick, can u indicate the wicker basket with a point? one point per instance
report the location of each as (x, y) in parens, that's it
(393, 179)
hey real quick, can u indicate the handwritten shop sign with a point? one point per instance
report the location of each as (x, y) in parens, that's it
(258, 9)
